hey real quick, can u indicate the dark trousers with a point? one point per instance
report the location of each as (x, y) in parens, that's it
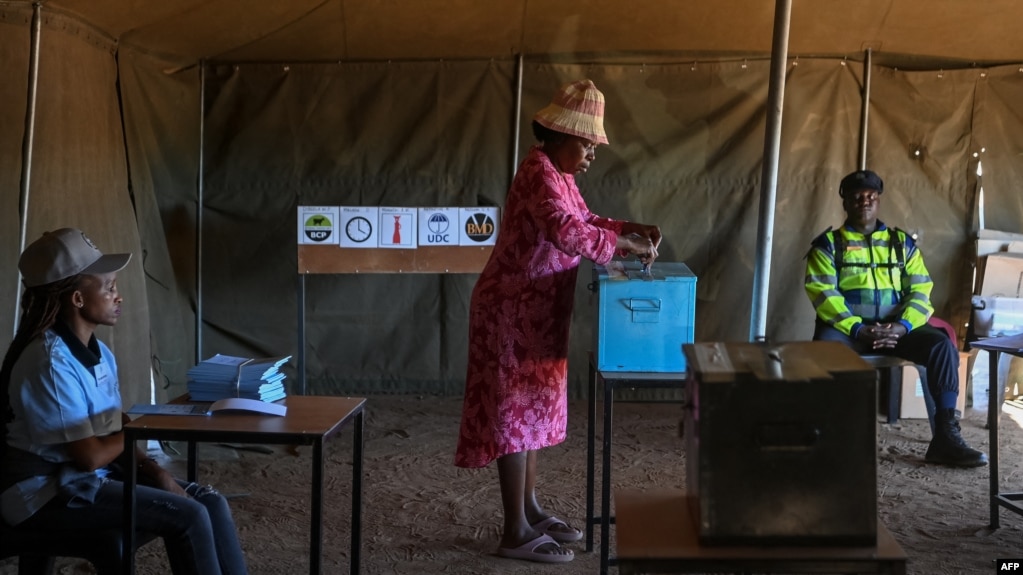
(926, 345)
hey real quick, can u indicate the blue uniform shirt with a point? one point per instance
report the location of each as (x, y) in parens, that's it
(61, 391)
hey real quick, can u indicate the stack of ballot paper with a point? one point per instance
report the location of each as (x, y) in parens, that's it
(223, 376)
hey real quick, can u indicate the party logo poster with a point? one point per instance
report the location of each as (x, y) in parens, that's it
(317, 225)
(359, 226)
(438, 226)
(477, 226)
(397, 228)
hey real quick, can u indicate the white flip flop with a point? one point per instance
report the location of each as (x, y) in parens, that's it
(528, 551)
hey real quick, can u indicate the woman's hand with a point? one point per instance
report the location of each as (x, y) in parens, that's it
(640, 239)
(652, 233)
(642, 246)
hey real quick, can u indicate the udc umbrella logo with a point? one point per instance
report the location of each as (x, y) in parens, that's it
(438, 224)
(479, 227)
(318, 227)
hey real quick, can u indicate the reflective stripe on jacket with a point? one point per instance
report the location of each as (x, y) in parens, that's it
(883, 279)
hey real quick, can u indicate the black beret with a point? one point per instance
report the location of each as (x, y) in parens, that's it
(860, 180)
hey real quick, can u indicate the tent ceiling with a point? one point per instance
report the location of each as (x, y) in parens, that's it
(899, 31)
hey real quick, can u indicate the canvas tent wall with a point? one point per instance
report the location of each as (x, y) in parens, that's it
(118, 149)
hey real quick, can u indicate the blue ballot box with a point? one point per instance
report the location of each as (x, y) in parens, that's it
(643, 318)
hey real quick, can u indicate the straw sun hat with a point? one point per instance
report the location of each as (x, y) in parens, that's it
(577, 109)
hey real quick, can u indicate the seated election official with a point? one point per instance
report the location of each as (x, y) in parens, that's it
(872, 292)
(61, 406)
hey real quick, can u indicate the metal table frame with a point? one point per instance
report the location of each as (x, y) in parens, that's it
(1012, 345)
(310, 421)
(607, 382)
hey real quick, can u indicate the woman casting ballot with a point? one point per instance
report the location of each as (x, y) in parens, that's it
(516, 383)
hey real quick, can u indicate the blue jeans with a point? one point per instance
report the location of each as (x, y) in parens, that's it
(198, 531)
(926, 345)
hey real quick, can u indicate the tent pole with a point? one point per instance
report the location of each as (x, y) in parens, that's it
(769, 175)
(518, 117)
(865, 108)
(27, 144)
(200, 200)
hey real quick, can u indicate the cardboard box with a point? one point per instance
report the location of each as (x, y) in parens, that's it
(914, 402)
(1001, 275)
(993, 241)
(643, 319)
(995, 316)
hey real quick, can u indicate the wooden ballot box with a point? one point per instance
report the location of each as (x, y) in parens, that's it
(780, 444)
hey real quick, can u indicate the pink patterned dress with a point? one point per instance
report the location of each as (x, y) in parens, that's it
(519, 317)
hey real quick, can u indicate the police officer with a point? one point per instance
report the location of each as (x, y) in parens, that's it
(872, 292)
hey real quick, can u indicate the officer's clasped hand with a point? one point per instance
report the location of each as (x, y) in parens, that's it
(882, 335)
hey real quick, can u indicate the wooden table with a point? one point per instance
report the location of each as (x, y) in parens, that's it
(310, 420)
(657, 534)
(1013, 345)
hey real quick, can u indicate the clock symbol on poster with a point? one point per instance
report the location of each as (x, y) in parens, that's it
(358, 229)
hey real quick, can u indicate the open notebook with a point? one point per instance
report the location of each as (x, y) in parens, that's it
(235, 404)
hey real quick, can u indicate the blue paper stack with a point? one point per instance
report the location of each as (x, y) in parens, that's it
(223, 376)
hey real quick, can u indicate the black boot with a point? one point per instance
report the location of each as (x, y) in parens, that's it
(948, 447)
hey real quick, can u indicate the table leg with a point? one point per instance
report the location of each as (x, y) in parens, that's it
(300, 355)
(591, 425)
(992, 430)
(357, 493)
(192, 462)
(128, 557)
(316, 529)
(605, 487)
(894, 393)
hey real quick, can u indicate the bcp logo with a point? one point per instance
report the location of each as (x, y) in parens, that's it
(318, 227)
(479, 227)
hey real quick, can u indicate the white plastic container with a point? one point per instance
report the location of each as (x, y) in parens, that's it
(997, 316)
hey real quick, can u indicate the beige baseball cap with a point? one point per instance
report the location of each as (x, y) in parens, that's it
(64, 253)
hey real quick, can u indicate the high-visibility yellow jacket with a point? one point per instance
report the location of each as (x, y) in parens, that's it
(868, 279)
